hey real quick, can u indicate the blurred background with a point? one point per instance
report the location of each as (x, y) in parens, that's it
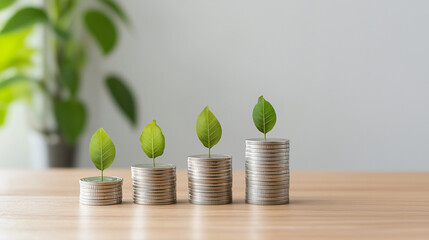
(349, 79)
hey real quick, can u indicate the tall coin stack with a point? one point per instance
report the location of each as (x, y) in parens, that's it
(93, 191)
(154, 185)
(267, 171)
(210, 179)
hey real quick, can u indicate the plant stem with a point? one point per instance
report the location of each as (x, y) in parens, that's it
(265, 136)
(209, 152)
(153, 162)
(102, 175)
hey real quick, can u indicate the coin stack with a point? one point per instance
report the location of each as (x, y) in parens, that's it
(93, 191)
(154, 185)
(210, 179)
(267, 171)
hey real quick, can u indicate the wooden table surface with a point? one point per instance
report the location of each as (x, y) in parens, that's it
(324, 205)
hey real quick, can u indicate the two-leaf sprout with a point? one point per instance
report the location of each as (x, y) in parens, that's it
(152, 141)
(102, 150)
(264, 116)
(209, 130)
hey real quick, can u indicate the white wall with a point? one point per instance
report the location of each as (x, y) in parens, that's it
(349, 79)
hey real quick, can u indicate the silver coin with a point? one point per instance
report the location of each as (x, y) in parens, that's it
(210, 197)
(154, 199)
(154, 194)
(142, 179)
(107, 180)
(209, 175)
(252, 163)
(208, 182)
(153, 186)
(93, 186)
(89, 194)
(199, 202)
(266, 154)
(205, 167)
(153, 173)
(267, 141)
(202, 191)
(158, 166)
(261, 150)
(215, 180)
(212, 156)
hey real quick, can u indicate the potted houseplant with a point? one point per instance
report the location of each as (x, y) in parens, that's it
(101, 190)
(209, 175)
(267, 161)
(153, 183)
(58, 115)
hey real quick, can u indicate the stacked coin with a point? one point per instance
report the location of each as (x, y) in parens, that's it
(93, 191)
(154, 185)
(210, 179)
(267, 171)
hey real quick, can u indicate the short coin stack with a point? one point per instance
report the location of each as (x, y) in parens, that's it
(210, 179)
(154, 185)
(93, 191)
(267, 171)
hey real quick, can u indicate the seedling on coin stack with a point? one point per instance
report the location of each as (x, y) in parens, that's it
(101, 190)
(209, 176)
(152, 141)
(267, 160)
(153, 183)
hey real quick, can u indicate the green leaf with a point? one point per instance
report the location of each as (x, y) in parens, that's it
(14, 50)
(70, 77)
(71, 118)
(264, 116)
(24, 18)
(13, 80)
(123, 96)
(13, 89)
(152, 141)
(114, 6)
(209, 130)
(102, 150)
(102, 29)
(3, 112)
(5, 3)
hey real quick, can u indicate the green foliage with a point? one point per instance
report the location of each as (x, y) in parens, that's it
(102, 150)
(6, 3)
(117, 9)
(123, 96)
(25, 17)
(14, 50)
(209, 130)
(152, 141)
(12, 89)
(71, 118)
(102, 29)
(62, 83)
(264, 116)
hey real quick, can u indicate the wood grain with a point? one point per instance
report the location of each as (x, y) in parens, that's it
(45, 205)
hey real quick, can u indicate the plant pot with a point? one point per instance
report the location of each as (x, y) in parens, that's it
(154, 185)
(210, 179)
(50, 151)
(94, 191)
(267, 171)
